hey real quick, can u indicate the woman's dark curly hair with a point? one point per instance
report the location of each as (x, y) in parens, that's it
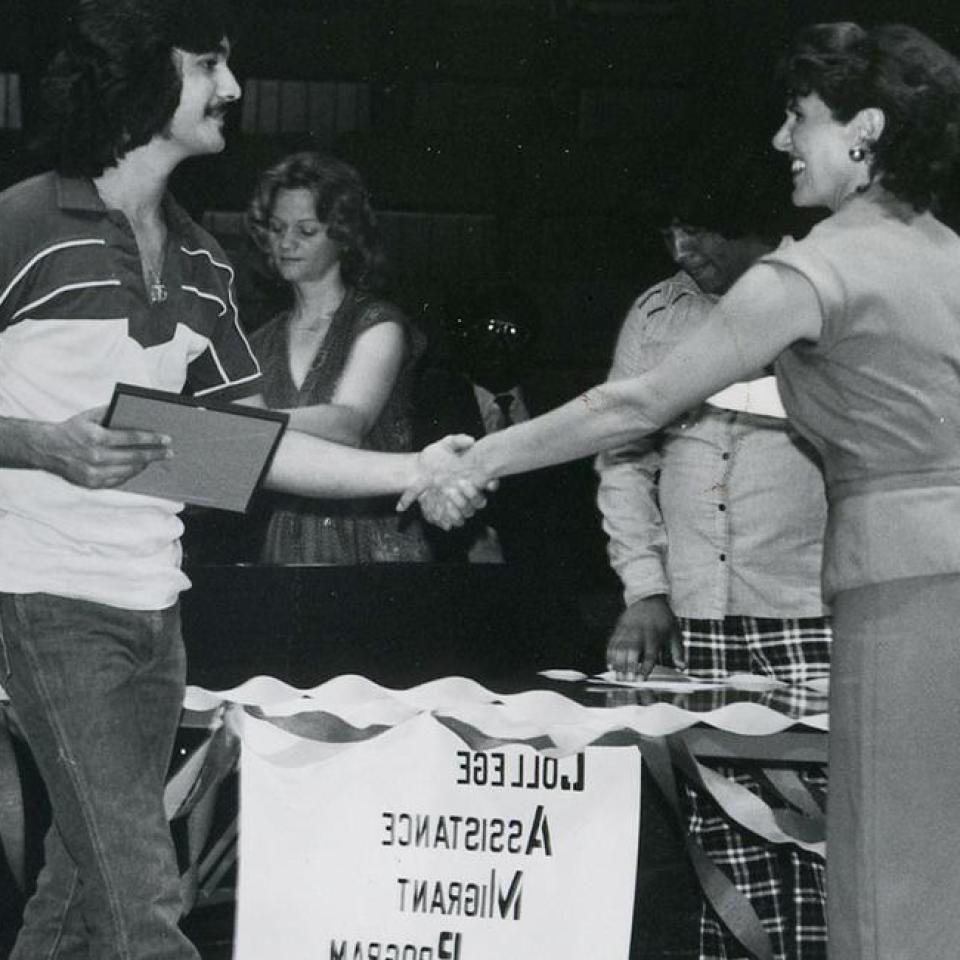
(341, 202)
(893, 67)
(115, 83)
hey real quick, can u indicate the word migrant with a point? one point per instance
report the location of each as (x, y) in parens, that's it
(490, 899)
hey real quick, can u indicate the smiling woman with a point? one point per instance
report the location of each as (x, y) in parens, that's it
(822, 148)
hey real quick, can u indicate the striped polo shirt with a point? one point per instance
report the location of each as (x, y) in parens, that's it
(75, 320)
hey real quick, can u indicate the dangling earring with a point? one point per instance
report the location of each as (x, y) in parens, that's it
(857, 154)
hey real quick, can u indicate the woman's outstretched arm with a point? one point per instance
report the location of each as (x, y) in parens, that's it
(768, 309)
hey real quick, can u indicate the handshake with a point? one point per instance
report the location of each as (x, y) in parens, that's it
(448, 481)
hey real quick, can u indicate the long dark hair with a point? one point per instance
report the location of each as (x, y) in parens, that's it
(115, 84)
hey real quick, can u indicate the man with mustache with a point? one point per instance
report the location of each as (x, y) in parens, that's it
(104, 278)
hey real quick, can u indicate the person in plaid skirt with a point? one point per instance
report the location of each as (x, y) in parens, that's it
(715, 528)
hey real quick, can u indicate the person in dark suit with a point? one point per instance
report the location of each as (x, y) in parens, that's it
(490, 381)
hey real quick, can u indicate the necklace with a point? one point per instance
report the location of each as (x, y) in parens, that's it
(153, 266)
(157, 289)
(150, 232)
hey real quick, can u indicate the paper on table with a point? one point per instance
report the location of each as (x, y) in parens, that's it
(670, 680)
(661, 678)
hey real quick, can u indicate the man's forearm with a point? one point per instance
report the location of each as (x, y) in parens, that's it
(21, 443)
(303, 465)
(80, 450)
(311, 467)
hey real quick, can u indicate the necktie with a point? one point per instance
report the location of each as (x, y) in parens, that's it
(504, 401)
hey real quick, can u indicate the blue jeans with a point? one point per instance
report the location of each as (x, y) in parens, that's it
(97, 692)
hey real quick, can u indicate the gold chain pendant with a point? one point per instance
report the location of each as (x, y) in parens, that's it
(157, 291)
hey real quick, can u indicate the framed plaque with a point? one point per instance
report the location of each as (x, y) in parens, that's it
(221, 451)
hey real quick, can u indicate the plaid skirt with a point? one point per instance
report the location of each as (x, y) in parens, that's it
(785, 885)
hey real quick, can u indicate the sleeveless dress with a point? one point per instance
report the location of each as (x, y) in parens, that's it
(359, 530)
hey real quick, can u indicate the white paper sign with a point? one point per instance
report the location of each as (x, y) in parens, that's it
(411, 846)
